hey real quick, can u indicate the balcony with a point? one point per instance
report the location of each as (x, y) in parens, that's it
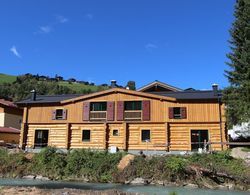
(98, 115)
(133, 115)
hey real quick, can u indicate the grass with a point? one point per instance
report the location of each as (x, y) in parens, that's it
(4, 78)
(79, 87)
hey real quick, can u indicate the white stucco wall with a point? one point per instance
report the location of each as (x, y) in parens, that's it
(1, 119)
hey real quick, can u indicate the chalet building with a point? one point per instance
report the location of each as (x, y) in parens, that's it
(157, 117)
(10, 122)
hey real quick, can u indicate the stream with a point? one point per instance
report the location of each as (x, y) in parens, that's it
(150, 189)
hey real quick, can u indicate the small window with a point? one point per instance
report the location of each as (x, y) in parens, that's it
(145, 135)
(115, 132)
(86, 135)
(133, 105)
(59, 114)
(177, 113)
(98, 106)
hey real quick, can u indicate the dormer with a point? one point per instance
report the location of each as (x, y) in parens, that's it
(158, 86)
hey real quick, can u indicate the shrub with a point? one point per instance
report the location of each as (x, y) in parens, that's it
(49, 163)
(176, 164)
(97, 166)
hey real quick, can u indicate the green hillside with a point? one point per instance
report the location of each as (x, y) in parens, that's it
(77, 87)
(4, 78)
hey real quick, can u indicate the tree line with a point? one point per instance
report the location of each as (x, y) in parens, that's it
(20, 89)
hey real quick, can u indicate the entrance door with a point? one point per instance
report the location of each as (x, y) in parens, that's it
(198, 138)
(41, 138)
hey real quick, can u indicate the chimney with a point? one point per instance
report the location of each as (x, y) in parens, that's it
(33, 95)
(215, 89)
(113, 84)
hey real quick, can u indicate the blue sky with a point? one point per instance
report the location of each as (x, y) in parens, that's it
(183, 43)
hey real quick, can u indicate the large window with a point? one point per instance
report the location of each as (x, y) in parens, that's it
(145, 135)
(86, 135)
(133, 105)
(41, 138)
(98, 106)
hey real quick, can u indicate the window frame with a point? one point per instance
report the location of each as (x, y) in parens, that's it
(84, 140)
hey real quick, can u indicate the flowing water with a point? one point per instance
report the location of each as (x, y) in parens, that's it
(150, 189)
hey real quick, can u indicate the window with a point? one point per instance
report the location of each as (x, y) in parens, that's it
(59, 114)
(115, 132)
(41, 138)
(133, 105)
(98, 106)
(145, 135)
(177, 113)
(86, 135)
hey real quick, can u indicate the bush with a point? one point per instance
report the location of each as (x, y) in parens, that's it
(12, 164)
(49, 163)
(96, 166)
(176, 164)
(221, 162)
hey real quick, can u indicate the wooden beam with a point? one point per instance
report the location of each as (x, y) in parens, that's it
(68, 136)
(125, 138)
(24, 129)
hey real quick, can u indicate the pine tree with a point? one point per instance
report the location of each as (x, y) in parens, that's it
(131, 85)
(237, 95)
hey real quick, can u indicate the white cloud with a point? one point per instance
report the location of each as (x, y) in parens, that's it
(61, 19)
(45, 29)
(89, 16)
(151, 46)
(14, 51)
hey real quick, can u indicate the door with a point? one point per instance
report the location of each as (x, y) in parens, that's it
(41, 138)
(199, 139)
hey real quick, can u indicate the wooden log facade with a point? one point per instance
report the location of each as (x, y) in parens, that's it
(129, 120)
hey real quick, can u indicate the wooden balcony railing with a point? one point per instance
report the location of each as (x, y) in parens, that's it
(132, 115)
(98, 115)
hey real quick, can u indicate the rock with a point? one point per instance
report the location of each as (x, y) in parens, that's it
(191, 185)
(230, 186)
(124, 162)
(138, 181)
(238, 153)
(29, 177)
(40, 177)
(222, 187)
(157, 182)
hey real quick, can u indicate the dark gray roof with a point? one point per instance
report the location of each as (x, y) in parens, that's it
(49, 99)
(180, 95)
(188, 95)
